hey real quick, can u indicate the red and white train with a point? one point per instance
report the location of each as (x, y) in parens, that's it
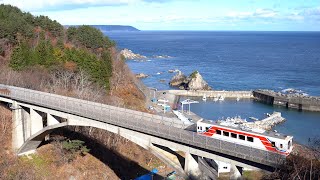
(256, 138)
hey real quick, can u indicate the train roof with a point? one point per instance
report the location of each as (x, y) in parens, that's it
(248, 129)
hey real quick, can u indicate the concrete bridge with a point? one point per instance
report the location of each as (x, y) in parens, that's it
(289, 101)
(36, 114)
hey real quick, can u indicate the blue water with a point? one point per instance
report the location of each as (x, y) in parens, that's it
(235, 61)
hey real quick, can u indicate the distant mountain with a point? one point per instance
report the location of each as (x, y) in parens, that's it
(106, 28)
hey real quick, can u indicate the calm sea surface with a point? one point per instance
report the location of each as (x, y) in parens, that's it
(235, 61)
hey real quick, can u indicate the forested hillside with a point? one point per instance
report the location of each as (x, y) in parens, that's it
(39, 53)
(39, 41)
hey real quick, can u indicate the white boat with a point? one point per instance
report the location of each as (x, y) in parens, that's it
(238, 99)
(253, 118)
(221, 98)
(215, 99)
(204, 98)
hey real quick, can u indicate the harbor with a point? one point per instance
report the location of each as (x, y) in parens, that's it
(173, 104)
(246, 108)
(290, 101)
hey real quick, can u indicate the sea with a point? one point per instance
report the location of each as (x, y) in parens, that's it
(234, 60)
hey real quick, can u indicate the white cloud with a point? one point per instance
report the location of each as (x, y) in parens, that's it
(36, 5)
(258, 13)
(266, 13)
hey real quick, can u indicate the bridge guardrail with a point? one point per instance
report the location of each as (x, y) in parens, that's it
(143, 122)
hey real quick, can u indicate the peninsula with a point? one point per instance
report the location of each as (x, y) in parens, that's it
(111, 28)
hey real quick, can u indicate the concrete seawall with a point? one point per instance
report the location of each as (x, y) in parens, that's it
(308, 103)
(211, 94)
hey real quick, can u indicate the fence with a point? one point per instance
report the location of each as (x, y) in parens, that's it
(155, 125)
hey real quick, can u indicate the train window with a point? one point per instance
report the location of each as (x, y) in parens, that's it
(225, 133)
(273, 144)
(249, 138)
(289, 144)
(207, 128)
(198, 127)
(242, 137)
(281, 146)
(201, 128)
(218, 132)
(233, 135)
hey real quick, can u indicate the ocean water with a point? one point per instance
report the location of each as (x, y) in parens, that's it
(235, 61)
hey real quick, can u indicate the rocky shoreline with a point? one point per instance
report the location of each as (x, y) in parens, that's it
(130, 55)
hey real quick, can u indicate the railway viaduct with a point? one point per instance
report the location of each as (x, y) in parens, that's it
(36, 114)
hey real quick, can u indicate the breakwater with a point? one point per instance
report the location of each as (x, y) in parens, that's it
(212, 94)
(309, 103)
(267, 123)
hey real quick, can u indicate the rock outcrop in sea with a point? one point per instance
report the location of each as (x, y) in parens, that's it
(128, 54)
(141, 75)
(178, 80)
(196, 82)
(193, 82)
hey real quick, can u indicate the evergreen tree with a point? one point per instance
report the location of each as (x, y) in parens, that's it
(44, 53)
(21, 57)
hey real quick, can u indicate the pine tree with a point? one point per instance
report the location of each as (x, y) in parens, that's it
(21, 57)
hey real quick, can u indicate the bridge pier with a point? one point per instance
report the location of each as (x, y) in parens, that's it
(191, 166)
(236, 172)
(17, 126)
(36, 121)
(208, 167)
(26, 123)
(51, 120)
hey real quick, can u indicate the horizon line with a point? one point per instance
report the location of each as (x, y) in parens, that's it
(191, 29)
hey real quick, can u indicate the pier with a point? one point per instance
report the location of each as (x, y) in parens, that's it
(309, 103)
(212, 94)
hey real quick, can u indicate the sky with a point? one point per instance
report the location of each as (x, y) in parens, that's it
(243, 15)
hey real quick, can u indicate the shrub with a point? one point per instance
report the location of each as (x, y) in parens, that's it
(73, 148)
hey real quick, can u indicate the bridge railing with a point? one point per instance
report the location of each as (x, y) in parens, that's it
(146, 123)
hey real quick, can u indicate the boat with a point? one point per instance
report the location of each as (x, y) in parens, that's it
(204, 98)
(238, 99)
(215, 99)
(221, 98)
(253, 118)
